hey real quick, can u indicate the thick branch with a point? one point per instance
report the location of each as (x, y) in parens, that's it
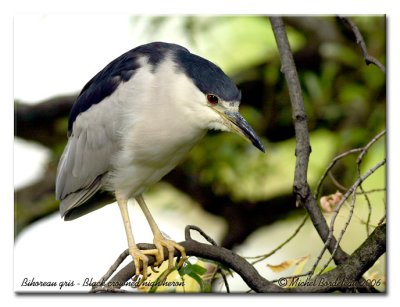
(38, 122)
(349, 272)
(222, 255)
(303, 148)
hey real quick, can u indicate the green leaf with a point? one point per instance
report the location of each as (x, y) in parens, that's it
(198, 269)
(199, 280)
(188, 268)
(160, 279)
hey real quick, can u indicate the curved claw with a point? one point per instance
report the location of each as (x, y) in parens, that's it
(160, 242)
(137, 256)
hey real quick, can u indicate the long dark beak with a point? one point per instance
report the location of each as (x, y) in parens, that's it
(240, 126)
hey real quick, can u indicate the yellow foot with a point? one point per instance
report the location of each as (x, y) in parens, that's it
(138, 256)
(160, 242)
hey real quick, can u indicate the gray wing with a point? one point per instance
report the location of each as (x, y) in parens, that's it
(93, 133)
(84, 165)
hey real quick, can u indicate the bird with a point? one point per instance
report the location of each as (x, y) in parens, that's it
(134, 122)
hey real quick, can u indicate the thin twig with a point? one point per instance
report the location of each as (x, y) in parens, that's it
(371, 191)
(342, 232)
(362, 152)
(382, 220)
(225, 280)
(336, 182)
(188, 228)
(265, 256)
(331, 165)
(368, 146)
(358, 162)
(369, 59)
(335, 213)
(218, 269)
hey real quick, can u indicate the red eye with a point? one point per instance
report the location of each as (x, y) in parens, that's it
(212, 99)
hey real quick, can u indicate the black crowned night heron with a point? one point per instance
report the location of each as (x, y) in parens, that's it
(134, 122)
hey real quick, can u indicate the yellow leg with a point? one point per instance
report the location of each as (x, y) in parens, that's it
(159, 240)
(134, 251)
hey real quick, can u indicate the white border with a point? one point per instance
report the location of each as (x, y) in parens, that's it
(151, 7)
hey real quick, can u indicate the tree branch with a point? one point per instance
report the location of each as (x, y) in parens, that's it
(38, 122)
(344, 276)
(348, 275)
(369, 59)
(211, 252)
(301, 187)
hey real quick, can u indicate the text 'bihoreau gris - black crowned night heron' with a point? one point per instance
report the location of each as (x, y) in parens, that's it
(134, 122)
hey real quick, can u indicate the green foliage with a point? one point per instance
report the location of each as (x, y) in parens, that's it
(193, 269)
(345, 99)
(196, 272)
(244, 173)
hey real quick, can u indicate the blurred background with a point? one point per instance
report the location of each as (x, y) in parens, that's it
(240, 197)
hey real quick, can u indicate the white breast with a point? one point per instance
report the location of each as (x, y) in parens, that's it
(156, 130)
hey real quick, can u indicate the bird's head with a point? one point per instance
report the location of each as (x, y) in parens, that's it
(229, 119)
(217, 98)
